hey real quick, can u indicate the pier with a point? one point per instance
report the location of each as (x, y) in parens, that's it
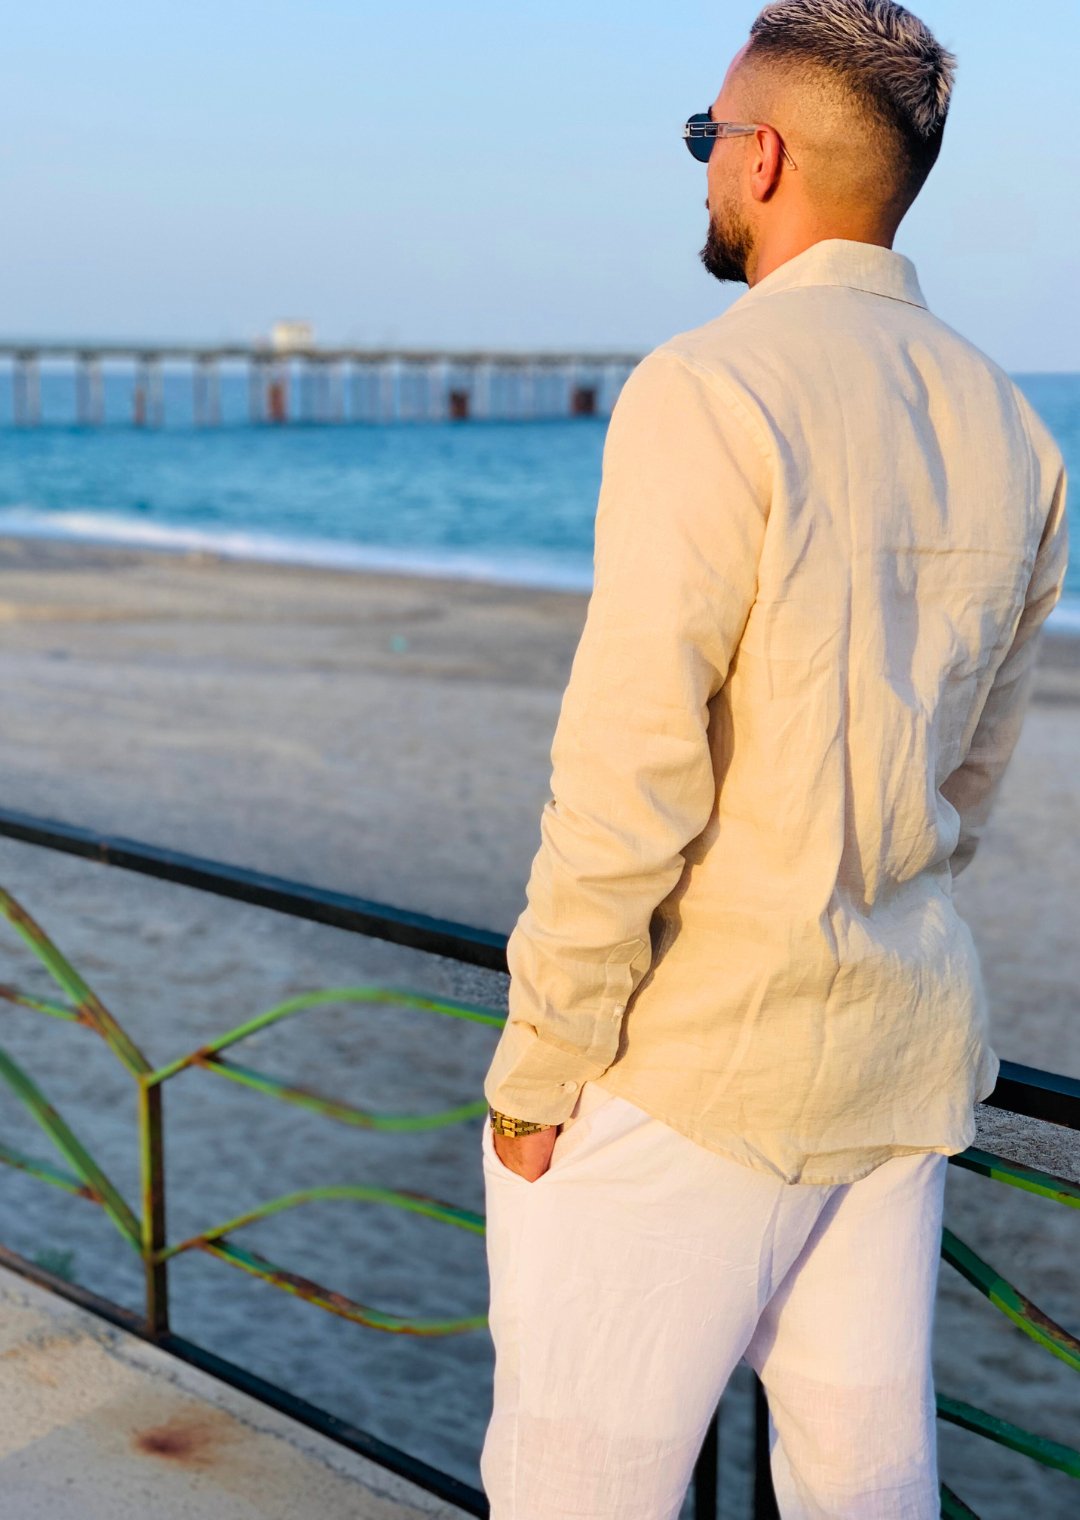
(310, 384)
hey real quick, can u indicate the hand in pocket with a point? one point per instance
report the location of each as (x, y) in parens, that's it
(527, 1155)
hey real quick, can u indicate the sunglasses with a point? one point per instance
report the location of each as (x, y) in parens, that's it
(700, 132)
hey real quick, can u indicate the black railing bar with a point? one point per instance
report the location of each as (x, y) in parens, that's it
(765, 1506)
(341, 910)
(444, 1485)
(706, 1479)
(1037, 1094)
(1026, 1090)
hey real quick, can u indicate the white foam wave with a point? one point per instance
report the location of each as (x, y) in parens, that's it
(102, 528)
(502, 568)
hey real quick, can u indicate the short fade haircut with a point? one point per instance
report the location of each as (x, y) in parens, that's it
(884, 58)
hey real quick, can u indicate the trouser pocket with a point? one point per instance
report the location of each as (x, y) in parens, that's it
(571, 1137)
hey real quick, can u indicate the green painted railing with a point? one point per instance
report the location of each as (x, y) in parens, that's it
(144, 1230)
(143, 1227)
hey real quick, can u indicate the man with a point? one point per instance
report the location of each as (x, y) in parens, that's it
(747, 1024)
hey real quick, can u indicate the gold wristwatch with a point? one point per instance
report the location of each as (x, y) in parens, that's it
(503, 1124)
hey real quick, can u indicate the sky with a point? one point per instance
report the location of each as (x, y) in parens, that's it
(474, 173)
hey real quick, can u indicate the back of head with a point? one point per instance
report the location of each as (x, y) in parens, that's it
(864, 88)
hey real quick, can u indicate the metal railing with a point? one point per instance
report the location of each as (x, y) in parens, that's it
(1020, 1089)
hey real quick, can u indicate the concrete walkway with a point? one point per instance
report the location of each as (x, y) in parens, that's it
(96, 1424)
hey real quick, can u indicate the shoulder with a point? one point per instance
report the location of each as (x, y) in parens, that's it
(1043, 443)
(698, 369)
(999, 383)
(712, 350)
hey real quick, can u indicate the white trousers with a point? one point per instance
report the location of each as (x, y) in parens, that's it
(629, 1280)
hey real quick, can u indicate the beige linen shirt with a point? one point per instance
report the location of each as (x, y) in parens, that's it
(828, 533)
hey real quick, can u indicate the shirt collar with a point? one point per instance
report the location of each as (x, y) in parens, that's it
(844, 261)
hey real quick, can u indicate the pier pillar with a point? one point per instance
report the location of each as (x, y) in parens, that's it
(277, 394)
(481, 388)
(513, 383)
(148, 406)
(455, 394)
(316, 408)
(551, 384)
(256, 389)
(207, 392)
(528, 390)
(415, 391)
(307, 392)
(326, 392)
(89, 399)
(438, 383)
(26, 390)
(485, 389)
(357, 388)
(365, 386)
(155, 392)
(335, 392)
(583, 401)
(406, 391)
(388, 393)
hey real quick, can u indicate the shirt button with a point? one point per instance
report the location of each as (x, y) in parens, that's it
(570, 1086)
(619, 1009)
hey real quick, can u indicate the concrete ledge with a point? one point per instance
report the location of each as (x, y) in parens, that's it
(96, 1424)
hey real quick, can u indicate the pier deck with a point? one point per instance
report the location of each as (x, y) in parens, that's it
(97, 1424)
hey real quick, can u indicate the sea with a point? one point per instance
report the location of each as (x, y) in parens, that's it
(497, 499)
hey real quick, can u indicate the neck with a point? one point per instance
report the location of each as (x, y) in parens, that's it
(781, 246)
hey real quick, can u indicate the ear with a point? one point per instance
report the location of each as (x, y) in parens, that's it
(765, 162)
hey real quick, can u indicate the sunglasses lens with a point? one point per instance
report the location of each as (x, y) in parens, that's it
(700, 145)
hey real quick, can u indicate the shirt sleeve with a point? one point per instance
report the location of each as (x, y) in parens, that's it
(973, 787)
(677, 538)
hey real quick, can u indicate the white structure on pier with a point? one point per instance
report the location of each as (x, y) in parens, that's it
(290, 335)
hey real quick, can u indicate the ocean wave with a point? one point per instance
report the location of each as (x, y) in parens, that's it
(500, 568)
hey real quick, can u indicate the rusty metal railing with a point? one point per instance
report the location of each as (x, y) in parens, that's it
(1023, 1090)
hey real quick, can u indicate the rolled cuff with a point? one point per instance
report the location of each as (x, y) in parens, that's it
(544, 1055)
(529, 1078)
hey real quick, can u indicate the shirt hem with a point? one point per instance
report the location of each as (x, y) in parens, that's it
(613, 1082)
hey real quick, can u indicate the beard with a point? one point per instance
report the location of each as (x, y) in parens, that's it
(727, 247)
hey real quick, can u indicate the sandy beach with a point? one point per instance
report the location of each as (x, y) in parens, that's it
(388, 735)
